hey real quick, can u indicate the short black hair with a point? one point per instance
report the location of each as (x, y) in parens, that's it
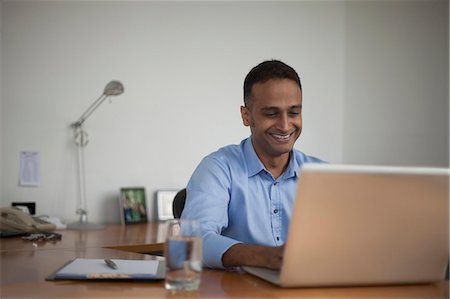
(266, 70)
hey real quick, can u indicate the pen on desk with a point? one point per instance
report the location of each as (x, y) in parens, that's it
(111, 264)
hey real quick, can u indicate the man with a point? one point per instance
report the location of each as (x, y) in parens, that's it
(243, 194)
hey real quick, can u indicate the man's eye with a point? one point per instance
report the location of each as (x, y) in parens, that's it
(270, 114)
(294, 113)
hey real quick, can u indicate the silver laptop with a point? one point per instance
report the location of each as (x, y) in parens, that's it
(366, 225)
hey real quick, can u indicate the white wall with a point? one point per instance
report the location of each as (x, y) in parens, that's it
(1, 108)
(183, 65)
(396, 89)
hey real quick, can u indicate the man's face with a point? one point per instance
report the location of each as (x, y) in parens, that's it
(274, 115)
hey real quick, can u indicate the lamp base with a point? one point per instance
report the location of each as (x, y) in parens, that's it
(82, 223)
(84, 226)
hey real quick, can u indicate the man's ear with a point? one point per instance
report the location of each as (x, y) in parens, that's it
(245, 116)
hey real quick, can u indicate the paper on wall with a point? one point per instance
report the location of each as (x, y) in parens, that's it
(29, 169)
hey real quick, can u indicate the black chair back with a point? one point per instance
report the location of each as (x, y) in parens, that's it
(178, 203)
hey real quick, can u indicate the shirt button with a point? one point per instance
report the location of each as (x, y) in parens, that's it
(276, 183)
(275, 211)
(278, 238)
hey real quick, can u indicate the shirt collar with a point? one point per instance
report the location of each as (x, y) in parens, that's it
(255, 166)
(293, 166)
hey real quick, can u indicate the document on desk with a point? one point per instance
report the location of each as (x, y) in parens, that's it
(95, 269)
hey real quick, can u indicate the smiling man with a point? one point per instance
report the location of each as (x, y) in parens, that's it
(243, 194)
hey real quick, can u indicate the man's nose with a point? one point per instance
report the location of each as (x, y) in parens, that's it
(283, 122)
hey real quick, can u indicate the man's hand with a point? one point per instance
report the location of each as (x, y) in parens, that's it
(253, 255)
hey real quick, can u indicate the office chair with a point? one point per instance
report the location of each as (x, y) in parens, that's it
(447, 272)
(178, 203)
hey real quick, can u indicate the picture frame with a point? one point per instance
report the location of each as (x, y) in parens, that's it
(133, 205)
(164, 200)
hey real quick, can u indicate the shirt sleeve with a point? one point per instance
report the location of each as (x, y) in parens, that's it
(208, 195)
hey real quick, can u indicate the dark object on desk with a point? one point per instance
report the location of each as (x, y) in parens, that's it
(10, 234)
(30, 205)
(178, 203)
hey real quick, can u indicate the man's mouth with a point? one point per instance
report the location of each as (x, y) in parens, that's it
(282, 137)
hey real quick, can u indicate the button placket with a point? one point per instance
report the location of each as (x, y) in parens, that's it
(275, 212)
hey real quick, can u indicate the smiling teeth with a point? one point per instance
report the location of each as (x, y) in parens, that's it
(282, 137)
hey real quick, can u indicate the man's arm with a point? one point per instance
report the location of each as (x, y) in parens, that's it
(253, 255)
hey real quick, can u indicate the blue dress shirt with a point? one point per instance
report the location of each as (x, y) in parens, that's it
(237, 200)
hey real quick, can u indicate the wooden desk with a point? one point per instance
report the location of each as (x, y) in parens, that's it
(25, 267)
(141, 238)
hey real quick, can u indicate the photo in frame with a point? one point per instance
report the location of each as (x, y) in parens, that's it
(133, 205)
(164, 200)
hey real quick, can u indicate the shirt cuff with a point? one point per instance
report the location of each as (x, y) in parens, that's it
(214, 246)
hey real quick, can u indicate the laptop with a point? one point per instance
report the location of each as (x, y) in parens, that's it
(365, 225)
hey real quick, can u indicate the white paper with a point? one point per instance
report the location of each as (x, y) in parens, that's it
(87, 267)
(29, 169)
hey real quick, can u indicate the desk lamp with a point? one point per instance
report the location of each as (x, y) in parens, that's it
(113, 88)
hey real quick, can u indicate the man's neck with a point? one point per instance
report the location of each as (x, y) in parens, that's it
(277, 165)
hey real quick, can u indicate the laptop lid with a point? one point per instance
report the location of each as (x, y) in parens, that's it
(367, 225)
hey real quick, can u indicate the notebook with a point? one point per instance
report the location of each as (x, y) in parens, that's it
(366, 225)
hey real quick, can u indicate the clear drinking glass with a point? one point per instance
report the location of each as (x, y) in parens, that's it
(183, 253)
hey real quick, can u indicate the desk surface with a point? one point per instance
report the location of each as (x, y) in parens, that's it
(116, 236)
(24, 268)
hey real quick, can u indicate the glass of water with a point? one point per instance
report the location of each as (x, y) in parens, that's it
(183, 253)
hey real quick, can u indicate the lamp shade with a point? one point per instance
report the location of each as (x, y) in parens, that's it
(113, 88)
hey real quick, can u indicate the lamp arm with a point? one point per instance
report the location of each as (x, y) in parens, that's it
(89, 111)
